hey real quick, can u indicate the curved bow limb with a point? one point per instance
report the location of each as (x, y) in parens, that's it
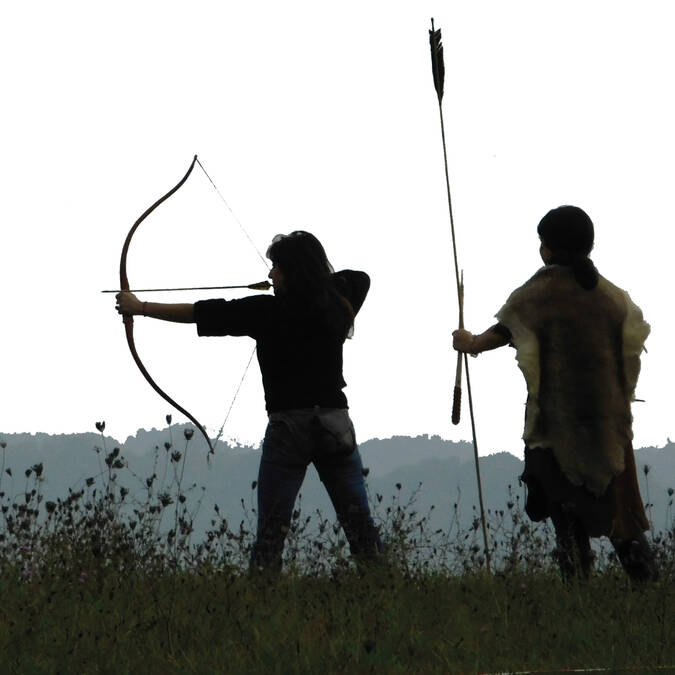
(129, 320)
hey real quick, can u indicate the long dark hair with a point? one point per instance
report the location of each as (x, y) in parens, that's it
(309, 288)
(568, 233)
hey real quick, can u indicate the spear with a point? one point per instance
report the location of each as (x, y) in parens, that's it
(438, 70)
(259, 286)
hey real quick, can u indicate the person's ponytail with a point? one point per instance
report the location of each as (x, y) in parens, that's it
(585, 272)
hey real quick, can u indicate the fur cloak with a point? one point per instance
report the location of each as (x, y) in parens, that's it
(579, 351)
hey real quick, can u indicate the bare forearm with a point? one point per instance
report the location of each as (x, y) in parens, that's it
(177, 312)
(464, 341)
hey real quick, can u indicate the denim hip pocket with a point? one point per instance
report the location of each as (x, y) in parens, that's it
(334, 432)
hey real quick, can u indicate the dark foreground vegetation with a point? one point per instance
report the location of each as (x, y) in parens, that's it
(98, 582)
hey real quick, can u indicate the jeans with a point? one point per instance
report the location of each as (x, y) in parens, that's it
(294, 438)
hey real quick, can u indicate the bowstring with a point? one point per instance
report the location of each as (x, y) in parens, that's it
(236, 220)
(260, 255)
(236, 394)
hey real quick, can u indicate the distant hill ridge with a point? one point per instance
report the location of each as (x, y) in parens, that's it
(445, 469)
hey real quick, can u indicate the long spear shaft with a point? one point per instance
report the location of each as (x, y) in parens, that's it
(438, 69)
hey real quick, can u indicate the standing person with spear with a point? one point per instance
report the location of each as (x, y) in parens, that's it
(578, 341)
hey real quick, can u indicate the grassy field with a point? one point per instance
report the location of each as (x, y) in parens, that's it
(382, 621)
(93, 584)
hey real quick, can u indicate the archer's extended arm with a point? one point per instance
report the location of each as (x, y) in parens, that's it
(128, 303)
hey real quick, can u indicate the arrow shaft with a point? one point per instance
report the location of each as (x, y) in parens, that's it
(260, 286)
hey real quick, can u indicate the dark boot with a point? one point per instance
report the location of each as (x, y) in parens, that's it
(637, 558)
(573, 552)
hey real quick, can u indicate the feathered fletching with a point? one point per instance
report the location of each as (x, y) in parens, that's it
(437, 64)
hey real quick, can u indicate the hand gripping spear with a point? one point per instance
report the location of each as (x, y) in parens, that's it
(438, 69)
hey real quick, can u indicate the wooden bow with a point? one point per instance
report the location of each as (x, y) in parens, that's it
(129, 320)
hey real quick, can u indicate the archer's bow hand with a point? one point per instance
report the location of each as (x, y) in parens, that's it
(128, 304)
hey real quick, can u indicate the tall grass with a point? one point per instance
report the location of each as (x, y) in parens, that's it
(101, 580)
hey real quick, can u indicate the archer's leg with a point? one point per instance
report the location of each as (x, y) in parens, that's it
(282, 470)
(343, 478)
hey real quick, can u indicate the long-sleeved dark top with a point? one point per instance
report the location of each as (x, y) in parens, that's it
(300, 359)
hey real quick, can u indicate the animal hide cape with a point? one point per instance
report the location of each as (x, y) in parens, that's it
(579, 351)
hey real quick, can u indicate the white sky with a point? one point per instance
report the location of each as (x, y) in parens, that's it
(320, 116)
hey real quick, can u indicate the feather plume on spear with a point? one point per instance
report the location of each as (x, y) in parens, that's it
(437, 63)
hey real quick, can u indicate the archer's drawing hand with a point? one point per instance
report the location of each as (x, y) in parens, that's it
(463, 341)
(128, 304)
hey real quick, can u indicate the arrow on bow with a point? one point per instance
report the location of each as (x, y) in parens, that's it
(124, 286)
(258, 286)
(438, 70)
